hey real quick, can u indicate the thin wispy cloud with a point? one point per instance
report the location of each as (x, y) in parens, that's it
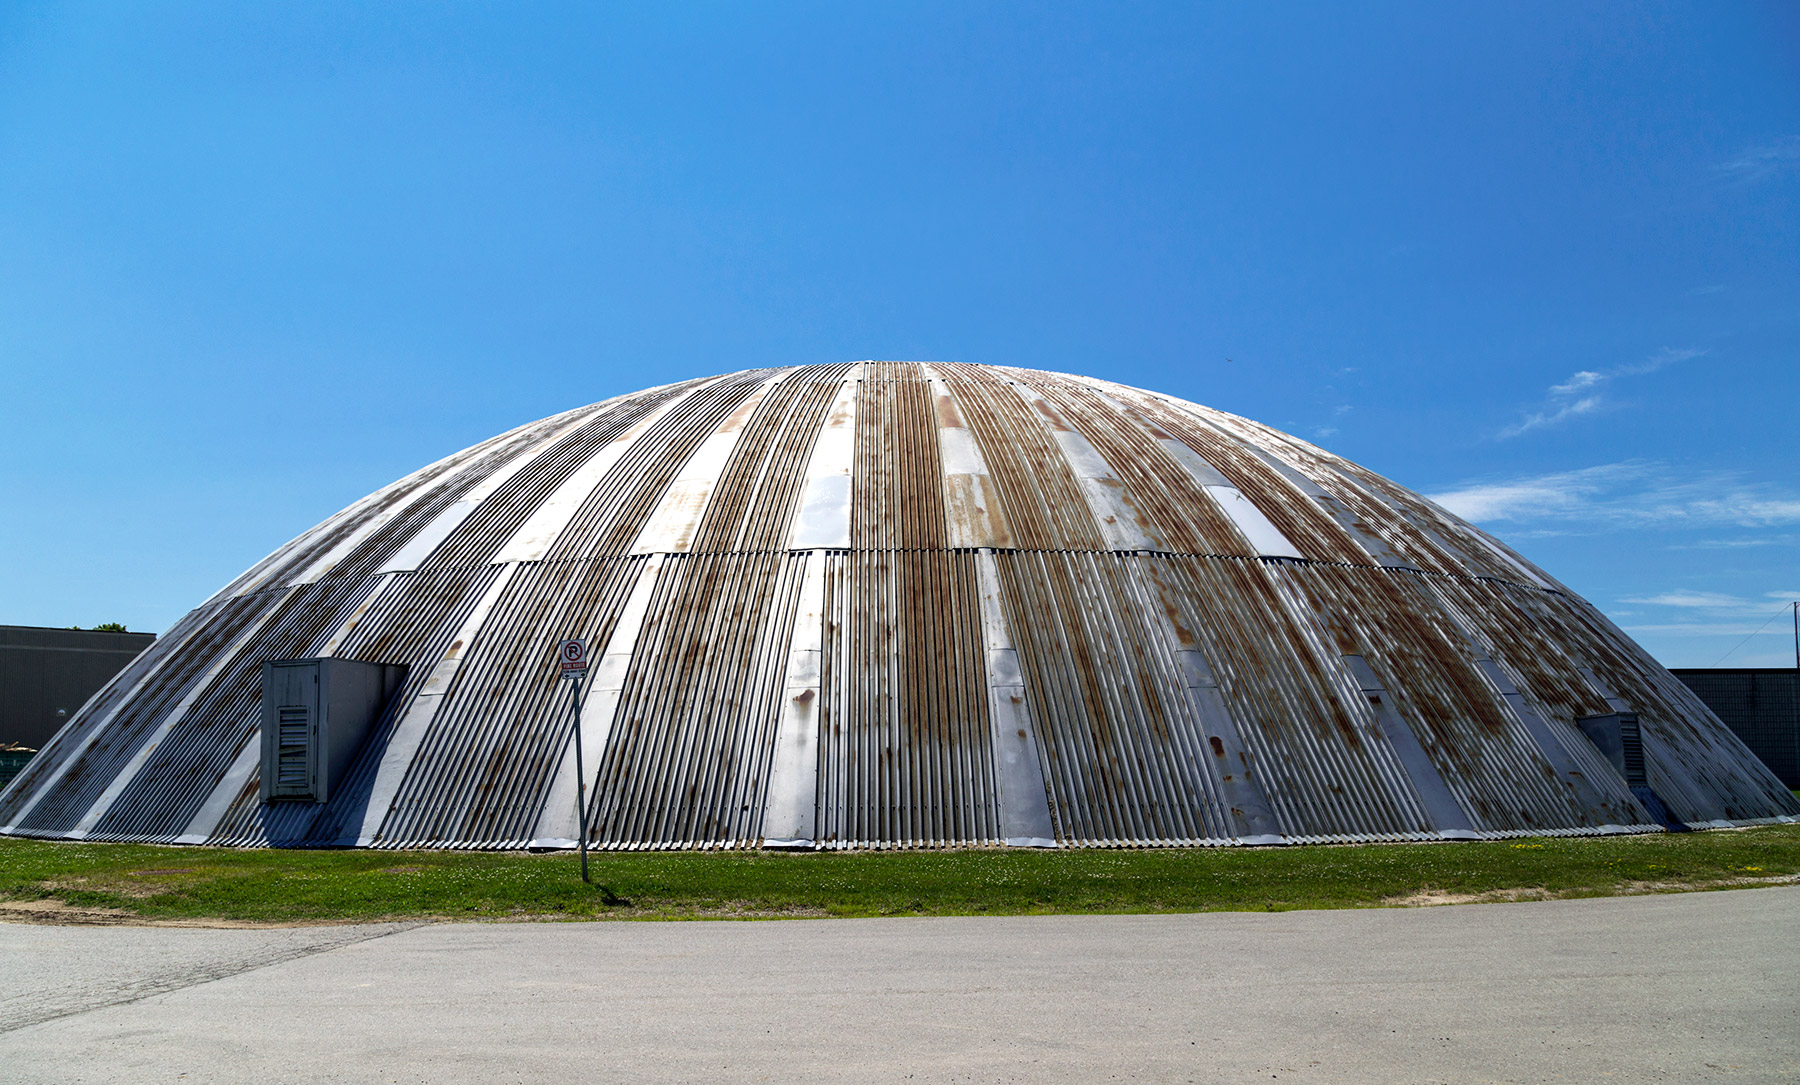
(1338, 411)
(1716, 604)
(1632, 494)
(1761, 161)
(1742, 542)
(1689, 613)
(1585, 391)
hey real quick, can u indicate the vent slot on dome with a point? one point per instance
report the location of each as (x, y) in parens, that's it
(1619, 736)
(316, 713)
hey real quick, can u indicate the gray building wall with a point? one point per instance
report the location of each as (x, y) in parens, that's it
(1760, 706)
(46, 670)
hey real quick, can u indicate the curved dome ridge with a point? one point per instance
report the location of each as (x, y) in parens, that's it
(897, 604)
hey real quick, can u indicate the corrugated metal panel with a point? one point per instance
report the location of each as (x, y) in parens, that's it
(1299, 519)
(1175, 507)
(1121, 752)
(1043, 505)
(1702, 771)
(414, 618)
(62, 804)
(687, 761)
(1499, 777)
(905, 749)
(1327, 772)
(754, 506)
(897, 604)
(617, 507)
(28, 786)
(898, 483)
(172, 781)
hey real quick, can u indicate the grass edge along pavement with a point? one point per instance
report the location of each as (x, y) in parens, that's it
(62, 881)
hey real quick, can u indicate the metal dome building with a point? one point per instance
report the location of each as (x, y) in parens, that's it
(895, 604)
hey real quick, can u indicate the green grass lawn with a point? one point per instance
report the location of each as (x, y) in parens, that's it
(182, 883)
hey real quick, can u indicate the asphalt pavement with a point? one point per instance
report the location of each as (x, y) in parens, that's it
(1688, 987)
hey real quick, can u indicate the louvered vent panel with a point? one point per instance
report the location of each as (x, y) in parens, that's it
(293, 742)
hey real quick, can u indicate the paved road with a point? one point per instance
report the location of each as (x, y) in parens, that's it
(1695, 987)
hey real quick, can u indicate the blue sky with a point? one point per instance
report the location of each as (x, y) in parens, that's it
(1539, 261)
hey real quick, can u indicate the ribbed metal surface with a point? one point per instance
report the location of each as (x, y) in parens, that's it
(900, 604)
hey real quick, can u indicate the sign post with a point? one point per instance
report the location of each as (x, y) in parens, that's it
(572, 663)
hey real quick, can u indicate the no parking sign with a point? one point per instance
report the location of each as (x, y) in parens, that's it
(572, 658)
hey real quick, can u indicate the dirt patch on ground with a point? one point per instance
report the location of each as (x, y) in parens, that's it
(55, 911)
(137, 884)
(1432, 898)
(58, 913)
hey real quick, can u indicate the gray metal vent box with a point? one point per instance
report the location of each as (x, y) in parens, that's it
(315, 715)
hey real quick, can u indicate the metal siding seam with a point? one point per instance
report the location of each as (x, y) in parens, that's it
(1232, 780)
(790, 817)
(558, 825)
(65, 795)
(540, 531)
(1024, 802)
(672, 526)
(122, 778)
(414, 724)
(1267, 692)
(823, 519)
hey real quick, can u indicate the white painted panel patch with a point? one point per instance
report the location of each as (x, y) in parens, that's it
(1109, 500)
(971, 500)
(790, 814)
(823, 521)
(538, 533)
(559, 823)
(1264, 536)
(410, 732)
(123, 778)
(671, 527)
